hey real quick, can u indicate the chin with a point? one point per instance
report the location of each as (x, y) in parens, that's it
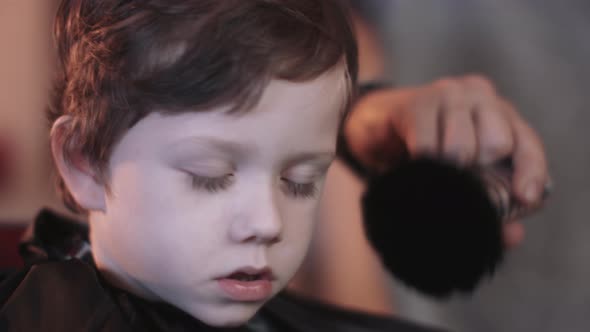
(229, 314)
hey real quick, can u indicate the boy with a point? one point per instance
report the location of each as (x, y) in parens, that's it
(195, 135)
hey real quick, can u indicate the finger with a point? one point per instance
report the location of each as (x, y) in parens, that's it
(369, 132)
(459, 137)
(418, 126)
(530, 164)
(493, 131)
(364, 130)
(513, 233)
(459, 142)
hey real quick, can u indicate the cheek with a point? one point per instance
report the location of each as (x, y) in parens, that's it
(300, 220)
(298, 225)
(157, 216)
(142, 195)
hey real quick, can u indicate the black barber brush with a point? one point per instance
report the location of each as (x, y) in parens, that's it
(437, 227)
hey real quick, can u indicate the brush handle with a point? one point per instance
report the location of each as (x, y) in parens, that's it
(498, 181)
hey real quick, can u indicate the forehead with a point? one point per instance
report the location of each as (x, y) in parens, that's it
(294, 115)
(328, 91)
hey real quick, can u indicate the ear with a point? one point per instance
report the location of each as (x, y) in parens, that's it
(80, 178)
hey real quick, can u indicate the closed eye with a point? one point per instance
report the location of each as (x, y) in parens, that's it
(211, 184)
(299, 190)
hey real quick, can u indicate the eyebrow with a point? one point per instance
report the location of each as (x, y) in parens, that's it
(243, 150)
(307, 156)
(213, 143)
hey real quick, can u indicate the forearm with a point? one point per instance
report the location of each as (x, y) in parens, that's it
(372, 62)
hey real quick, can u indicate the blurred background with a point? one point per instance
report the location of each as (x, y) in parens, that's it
(26, 56)
(535, 51)
(538, 55)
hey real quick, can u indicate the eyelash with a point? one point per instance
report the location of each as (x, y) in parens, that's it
(300, 190)
(212, 185)
(293, 189)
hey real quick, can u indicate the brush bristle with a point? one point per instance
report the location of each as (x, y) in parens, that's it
(434, 226)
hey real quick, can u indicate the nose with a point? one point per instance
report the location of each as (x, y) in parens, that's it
(260, 219)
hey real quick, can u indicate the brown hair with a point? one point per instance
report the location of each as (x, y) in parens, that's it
(122, 59)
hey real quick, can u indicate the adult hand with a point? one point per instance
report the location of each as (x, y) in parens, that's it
(461, 119)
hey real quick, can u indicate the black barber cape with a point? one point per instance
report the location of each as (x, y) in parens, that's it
(61, 290)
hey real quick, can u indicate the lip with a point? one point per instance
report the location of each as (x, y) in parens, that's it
(248, 291)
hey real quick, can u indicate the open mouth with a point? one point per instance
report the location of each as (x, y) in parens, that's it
(251, 275)
(241, 276)
(248, 284)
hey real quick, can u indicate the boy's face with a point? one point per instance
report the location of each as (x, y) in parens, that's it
(213, 212)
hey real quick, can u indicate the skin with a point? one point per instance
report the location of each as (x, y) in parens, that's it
(160, 231)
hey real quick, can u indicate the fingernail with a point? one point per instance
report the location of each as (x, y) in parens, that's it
(530, 194)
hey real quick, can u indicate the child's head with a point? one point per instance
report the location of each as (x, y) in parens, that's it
(196, 134)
